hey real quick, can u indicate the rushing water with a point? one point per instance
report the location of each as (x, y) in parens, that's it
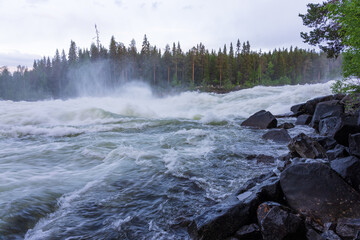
(130, 166)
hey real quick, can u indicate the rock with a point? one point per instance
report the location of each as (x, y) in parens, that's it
(310, 105)
(298, 109)
(327, 126)
(303, 119)
(326, 142)
(354, 144)
(262, 120)
(338, 152)
(317, 191)
(325, 110)
(306, 147)
(279, 136)
(254, 181)
(330, 235)
(348, 125)
(286, 125)
(261, 158)
(285, 115)
(348, 228)
(349, 169)
(225, 218)
(279, 222)
(249, 232)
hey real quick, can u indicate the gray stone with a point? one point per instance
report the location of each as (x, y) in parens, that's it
(346, 126)
(317, 191)
(325, 110)
(249, 232)
(327, 126)
(279, 136)
(348, 228)
(262, 120)
(338, 152)
(306, 147)
(354, 144)
(349, 169)
(303, 119)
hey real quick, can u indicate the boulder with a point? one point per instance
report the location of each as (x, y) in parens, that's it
(326, 142)
(349, 169)
(225, 218)
(354, 144)
(303, 119)
(317, 191)
(346, 126)
(327, 126)
(311, 234)
(348, 228)
(326, 109)
(338, 152)
(286, 125)
(261, 158)
(262, 120)
(279, 136)
(248, 232)
(306, 147)
(279, 222)
(298, 109)
(310, 106)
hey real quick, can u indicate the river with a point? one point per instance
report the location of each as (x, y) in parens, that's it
(131, 165)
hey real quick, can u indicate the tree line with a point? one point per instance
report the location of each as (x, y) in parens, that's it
(98, 69)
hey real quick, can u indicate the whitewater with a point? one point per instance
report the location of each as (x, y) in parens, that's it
(131, 165)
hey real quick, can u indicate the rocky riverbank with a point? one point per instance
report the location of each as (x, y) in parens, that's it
(315, 191)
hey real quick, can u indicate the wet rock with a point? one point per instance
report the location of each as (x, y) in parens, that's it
(261, 158)
(325, 110)
(254, 181)
(317, 191)
(349, 169)
(338, 152)
(298, 109)
(310, 105)
(225, 218)
(330, 235)
(326, 142)
(346, 126)
(306, 147)
(327, 126)
(348, 228)
(279, 136)
(279, 222)
(354, 144)
(249, 232)
(303, 119)
(262, 120)
(286, 125)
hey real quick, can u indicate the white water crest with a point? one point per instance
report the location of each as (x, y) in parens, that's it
(131, 165)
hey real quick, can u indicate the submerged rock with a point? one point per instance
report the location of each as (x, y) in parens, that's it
(280, 136)
(262, 120)
(317, 191)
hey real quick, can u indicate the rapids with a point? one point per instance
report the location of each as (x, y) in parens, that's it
(130, 165)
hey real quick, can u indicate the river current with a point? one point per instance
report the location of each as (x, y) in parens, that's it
(131, 165)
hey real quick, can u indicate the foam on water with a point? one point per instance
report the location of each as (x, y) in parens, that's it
(128, 164)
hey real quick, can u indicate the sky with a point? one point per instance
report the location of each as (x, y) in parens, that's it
(31, 29)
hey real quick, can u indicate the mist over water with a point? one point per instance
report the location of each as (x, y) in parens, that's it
(130, 165)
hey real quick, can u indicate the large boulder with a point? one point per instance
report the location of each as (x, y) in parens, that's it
(327, 126)
(325, 110)
(298, 109)
(317, 191)
(310, 106)
(306, 147)
(354, 144)
(349, 169)
(279, 222)
(303, 119)
(346, 126)
(225, 218)
(280, 136)
(286, 125)
(262, 120)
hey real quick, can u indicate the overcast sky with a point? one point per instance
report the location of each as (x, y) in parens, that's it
(30, 29)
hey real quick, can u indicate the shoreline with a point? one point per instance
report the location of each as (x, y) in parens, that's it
(315, 193)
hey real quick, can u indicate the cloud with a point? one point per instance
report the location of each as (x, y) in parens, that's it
(13, 59)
